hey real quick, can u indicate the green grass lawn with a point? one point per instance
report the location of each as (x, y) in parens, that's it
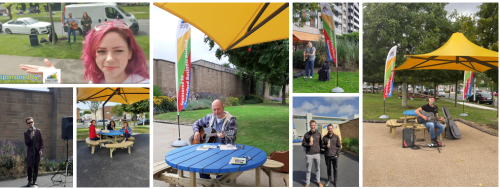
(20, 82)
(264, 125)
(83, 133)
(349, 81)
(140, 12)
(373, 108)
(40, 17)
(19, 45)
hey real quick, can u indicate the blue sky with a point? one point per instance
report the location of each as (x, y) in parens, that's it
(326, 106)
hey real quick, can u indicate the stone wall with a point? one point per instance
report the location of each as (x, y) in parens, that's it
(350, 129)
(47, 110)
(205, 77)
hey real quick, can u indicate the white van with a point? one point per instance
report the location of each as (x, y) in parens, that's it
(101, 12)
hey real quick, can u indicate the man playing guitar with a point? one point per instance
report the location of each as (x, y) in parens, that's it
(424, 119)
(220, 121)
(72, 27)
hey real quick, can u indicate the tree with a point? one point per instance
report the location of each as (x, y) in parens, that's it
(266, 60)
(117, 110)
(137, 108)
(415, 28)
(86, 112)
(303, 12)
(94, 106)
(52, 31)
(226, 65)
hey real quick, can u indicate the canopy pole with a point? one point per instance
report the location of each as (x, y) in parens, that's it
(463, 114)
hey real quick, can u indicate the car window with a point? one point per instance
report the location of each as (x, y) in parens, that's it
(485, 94)
(111, 12)
(31, 21)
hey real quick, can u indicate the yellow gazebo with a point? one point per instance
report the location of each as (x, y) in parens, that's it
(458, 53)
(124, 95)
(234, 25)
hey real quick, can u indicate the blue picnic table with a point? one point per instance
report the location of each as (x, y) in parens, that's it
(215, 161)
(111, 133)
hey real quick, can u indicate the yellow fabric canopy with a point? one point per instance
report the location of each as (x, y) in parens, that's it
(231, 25)
(124, 95)
(302, 36)
(458, 53)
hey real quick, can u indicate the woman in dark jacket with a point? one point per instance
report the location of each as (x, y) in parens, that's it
(86, 23)
(111, 126)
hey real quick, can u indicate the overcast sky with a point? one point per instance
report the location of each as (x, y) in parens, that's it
(30, 88)
(326, 106)
(462, 8)
(165, 42)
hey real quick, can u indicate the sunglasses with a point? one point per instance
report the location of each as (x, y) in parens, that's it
(117, 23)
(29, 122)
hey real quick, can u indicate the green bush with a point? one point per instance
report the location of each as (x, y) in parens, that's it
(350, 144)
(298, 59)
(250, 102)
(253, 97)
(199, 104)
(241, 99)
(157, 91)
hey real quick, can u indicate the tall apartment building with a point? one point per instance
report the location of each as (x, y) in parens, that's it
(346, 21)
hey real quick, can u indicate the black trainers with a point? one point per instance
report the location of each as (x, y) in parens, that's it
(334, 183)
(29, 184)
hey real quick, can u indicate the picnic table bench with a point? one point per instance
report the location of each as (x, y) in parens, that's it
(270, 166)
(113, 147)
(91, 143)
(393, 124)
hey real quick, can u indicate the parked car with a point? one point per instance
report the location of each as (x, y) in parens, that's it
(146, 122)
(440, 93)
(26, 26)
(481, 98)
(495, 93)
(99, 123)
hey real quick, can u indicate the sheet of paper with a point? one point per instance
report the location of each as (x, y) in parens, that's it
(228, 147)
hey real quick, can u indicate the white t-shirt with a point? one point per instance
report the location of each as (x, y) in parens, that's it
(132, 79)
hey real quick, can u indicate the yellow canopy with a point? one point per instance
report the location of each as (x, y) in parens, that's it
(302, 36)
(124, 95)
(458, 53)
(234, 25)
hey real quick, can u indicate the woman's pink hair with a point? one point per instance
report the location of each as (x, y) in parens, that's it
(136, 65)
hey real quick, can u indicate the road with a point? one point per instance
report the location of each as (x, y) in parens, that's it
(347, 169)
(42, 182)
(460, 98)
(143, 28)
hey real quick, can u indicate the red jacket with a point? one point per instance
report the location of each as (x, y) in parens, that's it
(92, 133)
(126, 130)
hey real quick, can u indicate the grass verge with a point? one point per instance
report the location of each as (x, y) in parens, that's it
(83, 133)
(373, 108)
(349, 81)
(264, 125)
(19, 45)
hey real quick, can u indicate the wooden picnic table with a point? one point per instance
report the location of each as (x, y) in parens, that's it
(213, 161)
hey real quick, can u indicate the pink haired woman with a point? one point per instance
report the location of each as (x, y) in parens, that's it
(111, 56)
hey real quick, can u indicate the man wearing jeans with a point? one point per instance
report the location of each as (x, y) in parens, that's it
(310, 54)
(331, 144)
(311, 142)
(431, 124)
(70, 30)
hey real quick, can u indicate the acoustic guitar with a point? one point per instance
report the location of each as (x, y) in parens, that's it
(431, 117)
(207, 135)
(73, 25)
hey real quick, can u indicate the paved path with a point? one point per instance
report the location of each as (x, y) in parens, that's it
(123, 170)
(471, 161)
(347, 169)
(42, 181)
(164, 134)
(71, 69)
(470, 104)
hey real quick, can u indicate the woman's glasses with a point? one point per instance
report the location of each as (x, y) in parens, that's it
(116, 23)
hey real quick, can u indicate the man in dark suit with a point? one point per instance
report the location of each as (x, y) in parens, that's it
(34, 151)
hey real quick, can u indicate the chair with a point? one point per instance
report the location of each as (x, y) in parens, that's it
(281, 157)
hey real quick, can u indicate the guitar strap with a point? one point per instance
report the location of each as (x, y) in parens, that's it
(224, 125)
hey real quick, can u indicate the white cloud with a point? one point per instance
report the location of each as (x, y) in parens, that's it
(338, 100)
(347, 110)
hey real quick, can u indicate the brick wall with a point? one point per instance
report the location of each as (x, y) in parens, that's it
(350, 129)
(47, 110)
(205, 77)
(106, 115)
